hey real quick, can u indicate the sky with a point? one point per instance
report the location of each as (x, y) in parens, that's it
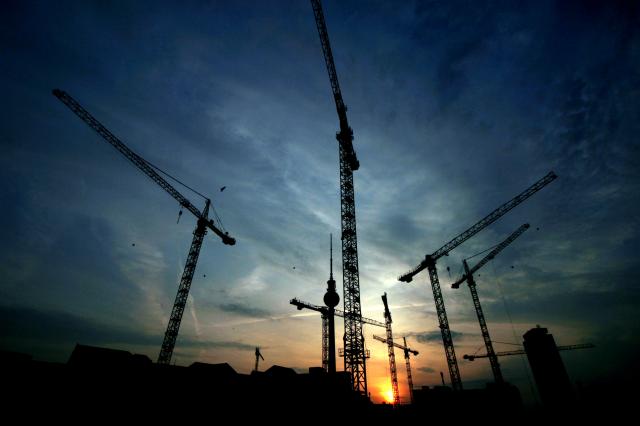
(456, 107)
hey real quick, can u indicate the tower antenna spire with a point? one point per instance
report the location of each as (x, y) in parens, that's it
(331, 256)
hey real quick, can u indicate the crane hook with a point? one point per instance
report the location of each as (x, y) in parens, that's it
(179, 215)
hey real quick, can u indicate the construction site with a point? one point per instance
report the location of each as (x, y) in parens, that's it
(286, 331)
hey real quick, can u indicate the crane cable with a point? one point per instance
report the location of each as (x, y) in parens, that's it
(506, 343)
(482, 252)
(460, 272)
(513, 331)
(215, 213)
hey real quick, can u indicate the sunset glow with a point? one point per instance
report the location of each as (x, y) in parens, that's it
(454, 108)
(388, 396)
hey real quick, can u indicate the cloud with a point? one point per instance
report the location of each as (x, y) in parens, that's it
(28, 328)
(187, 343)
(30, 324)
(244, 310)
(427, 370)
(436, 336)
(453, 114)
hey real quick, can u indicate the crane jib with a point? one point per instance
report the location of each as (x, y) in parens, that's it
(139, 162)
(338, 312)
(492, 254)
(479, 226)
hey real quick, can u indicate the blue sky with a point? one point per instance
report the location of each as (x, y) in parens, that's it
(456, 107)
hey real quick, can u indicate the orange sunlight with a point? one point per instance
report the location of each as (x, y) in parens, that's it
(388, 396)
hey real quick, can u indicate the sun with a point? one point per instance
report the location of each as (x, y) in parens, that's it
(388, 396)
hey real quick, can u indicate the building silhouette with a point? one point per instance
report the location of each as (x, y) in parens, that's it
(103, 380)
(548, 369)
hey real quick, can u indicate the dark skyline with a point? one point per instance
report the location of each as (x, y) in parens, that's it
(456, 107)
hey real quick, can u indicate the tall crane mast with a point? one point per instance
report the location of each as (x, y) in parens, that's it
(390, 350)
(407, 351)
(324, 313)
(204, 222)
(429, 263)
(468, 276)
(354, 351)
(523, 352)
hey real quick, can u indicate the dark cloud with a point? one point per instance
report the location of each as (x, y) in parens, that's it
(49, 332)
(245, 310)
(428, 370)
(569, 308)
(53, 334)
(189, 343)
(436, 336)
(456, 107)
(52, 326)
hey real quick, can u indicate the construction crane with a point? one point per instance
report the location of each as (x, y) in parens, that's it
(258, 358)
(407, 352)
(429, 263)
(393, 373)
(324, 313)
(204, 222)
(468, 276)
(523, 352)
(407, 363)
(354, 351)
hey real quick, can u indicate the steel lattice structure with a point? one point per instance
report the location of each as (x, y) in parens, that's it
(326, 342)
(171, 334)
(493, 253)
(523, 352)
(204, 222)
(325, 313)
(354, 351)
(407, 351)
(429, 263)
(471, 282)
(390, 351)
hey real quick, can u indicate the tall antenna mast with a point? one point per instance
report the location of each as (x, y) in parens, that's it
(331, 299)
(331, 256)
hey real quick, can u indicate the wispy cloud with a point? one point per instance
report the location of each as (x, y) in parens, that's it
(446, 130)
(436, 336)
(245, 310)
(204, 344)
